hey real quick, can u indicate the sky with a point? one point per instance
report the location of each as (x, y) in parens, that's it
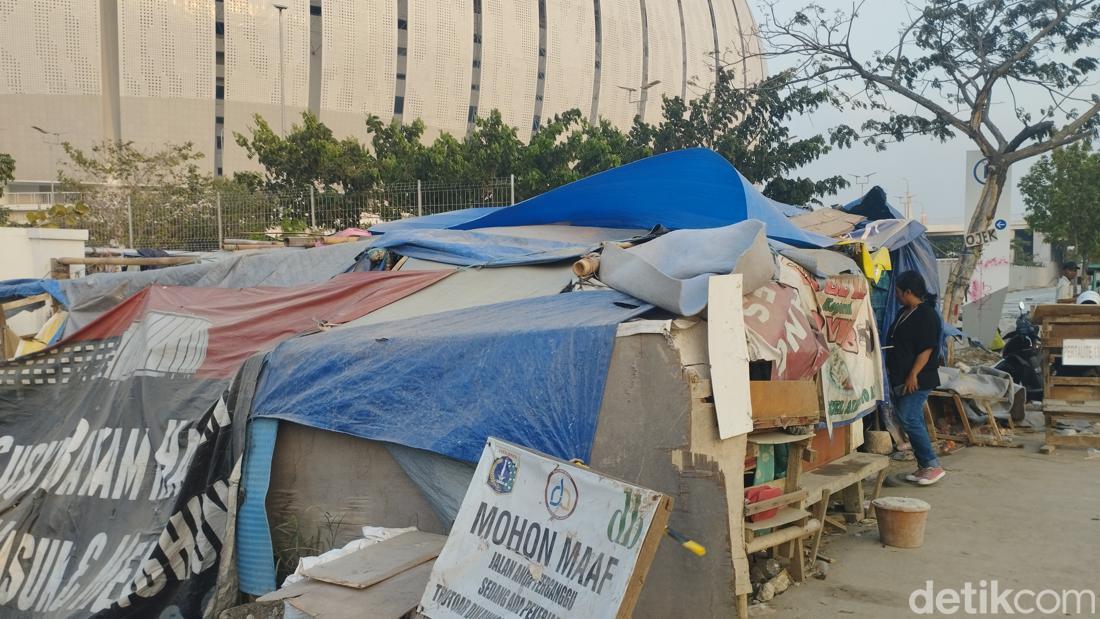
(933, 171)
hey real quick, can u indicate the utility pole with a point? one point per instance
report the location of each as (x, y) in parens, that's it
(907, 200)
(282, 71)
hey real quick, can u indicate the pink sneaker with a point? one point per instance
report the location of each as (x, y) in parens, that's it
(927, 477)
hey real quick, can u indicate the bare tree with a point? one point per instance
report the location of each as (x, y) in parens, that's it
(950, 59)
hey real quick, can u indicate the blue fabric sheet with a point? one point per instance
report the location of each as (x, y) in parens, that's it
(255, 557)
(21, 288)
(530, 371)
(463, 248)
(694, 188)
(438, 221)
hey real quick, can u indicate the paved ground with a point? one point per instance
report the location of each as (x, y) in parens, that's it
(1014, 515)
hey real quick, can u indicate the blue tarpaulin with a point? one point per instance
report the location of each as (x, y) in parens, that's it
(530, 371)
(694, 188)
(22, 288)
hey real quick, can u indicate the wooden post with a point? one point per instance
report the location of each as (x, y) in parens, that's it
(646, 553)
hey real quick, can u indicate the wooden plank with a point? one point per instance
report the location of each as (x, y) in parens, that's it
(820, 511)
(784, 398)
(842, 473)
(380, 561)
(390, 599)
(11, 306)
(115, 261)
(1075, 380)
(786, 515)
(729, 355)
(1062, 407)
(646, 554)
(1074, 440)
(794, 466)
(1060, 310)
(778, 438)
(779, 501)
(1074, 393)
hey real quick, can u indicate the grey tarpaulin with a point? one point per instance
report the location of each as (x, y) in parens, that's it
(672, 271)
(471, 287)
(983, 384)
(822, 263)
(91, 296)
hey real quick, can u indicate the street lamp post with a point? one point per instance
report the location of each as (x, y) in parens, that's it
(861, 181)
(642, 97)
(53, 158)
(282, 71)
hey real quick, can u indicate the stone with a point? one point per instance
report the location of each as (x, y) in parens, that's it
(771, 569)
(756, 574)
(820, 570)
(781, 582)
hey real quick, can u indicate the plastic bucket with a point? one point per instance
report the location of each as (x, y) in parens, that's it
(901, 520)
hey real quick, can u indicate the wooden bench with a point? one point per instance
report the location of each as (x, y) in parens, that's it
(842, 476)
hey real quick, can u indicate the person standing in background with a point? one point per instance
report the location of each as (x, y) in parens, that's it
(1067, 283)
(912, 363)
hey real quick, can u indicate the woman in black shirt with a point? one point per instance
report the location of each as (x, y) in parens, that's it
(912, 359)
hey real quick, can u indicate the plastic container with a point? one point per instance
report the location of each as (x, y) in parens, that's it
(901, 520)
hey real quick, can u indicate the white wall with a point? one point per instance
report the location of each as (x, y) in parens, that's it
(26, 253)
(360, 63)
(510, 61)
(666, 56)
(570, 57)
(440, 64)
(49, 77)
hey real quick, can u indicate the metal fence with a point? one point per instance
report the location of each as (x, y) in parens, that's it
(201, 220)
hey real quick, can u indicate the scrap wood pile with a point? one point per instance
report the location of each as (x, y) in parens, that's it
(165, 388)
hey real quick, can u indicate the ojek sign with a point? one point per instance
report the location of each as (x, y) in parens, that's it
(993, 270)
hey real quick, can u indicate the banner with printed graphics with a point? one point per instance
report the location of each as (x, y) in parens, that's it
(116, 446)
(539, 537)
(840, 308)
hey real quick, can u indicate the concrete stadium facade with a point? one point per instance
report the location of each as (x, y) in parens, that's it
(157, 71)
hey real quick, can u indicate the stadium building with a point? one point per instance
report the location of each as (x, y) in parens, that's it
(157, 71)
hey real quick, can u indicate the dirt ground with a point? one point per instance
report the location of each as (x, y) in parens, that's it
(1025, 519)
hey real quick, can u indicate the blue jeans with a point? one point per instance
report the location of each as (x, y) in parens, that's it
(911, 412)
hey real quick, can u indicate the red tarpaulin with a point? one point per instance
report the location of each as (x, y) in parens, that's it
(211, 331)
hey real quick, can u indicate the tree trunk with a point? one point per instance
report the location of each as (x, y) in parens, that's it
(958, 282)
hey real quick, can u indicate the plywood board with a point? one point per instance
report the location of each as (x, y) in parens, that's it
(380, 561)
(389, 599)
(729, 355)
(784, 398)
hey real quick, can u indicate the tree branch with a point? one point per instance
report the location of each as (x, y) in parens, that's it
(1067, 135)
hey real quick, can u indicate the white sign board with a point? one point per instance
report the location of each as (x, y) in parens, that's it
(985, 292)
(539, 537)
(1080, 352)
(980, 238)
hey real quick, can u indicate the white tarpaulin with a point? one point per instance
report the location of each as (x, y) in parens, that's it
(539, 537)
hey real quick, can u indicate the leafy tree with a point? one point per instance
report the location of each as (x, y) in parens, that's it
(161, 194)
(1062, 194)
(952, 59)
(7, 175)
(750, 127)
(309, 155)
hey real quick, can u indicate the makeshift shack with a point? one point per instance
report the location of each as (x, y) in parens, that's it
(708, 345)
